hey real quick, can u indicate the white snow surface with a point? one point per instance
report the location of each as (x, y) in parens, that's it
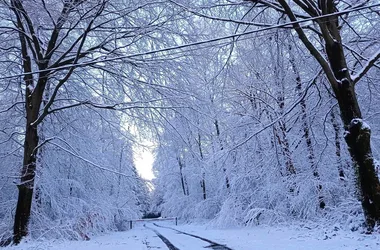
(256, 238)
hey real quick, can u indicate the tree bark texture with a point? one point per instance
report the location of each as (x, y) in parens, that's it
(28, 171)
(337, 138)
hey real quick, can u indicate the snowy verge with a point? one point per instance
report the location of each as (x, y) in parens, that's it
(284, 237)
(287, 237)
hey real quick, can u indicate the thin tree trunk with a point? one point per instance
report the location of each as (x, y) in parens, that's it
(338, 151)
(203, 185)
(282, 137)
(306, 130)
(186, 186)
(181, 176)
(284, 144)
(227, 180)
(203, 181)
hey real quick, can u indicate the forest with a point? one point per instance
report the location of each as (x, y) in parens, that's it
(256, 112)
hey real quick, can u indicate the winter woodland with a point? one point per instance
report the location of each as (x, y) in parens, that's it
(258, 112)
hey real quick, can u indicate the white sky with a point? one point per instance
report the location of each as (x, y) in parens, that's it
(143, 157)
(142, 153)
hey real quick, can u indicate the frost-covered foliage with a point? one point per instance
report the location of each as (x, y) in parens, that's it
(247, 128)
(267, 145)
(86, 181)
(95, 188)
(245, 173)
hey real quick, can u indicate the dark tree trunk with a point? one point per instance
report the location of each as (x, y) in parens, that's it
(227, 180)
(26, 186)
(338, 153)
(357, 135)
(282, 140)
(203, 181)
(182, 177)
(203, 185)
(30, 46)
(282, 130)
(28, 173)
(33, 100)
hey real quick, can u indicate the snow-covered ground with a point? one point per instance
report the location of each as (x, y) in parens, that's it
(257, 238)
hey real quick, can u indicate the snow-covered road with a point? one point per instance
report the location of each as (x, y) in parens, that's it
(184, 240)
(163, 236)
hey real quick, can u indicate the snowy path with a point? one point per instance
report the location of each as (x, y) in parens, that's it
(179, 240)
(191, 237)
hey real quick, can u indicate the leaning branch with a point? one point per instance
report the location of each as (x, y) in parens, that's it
(371, 62)
(88, 161)
(313, 51)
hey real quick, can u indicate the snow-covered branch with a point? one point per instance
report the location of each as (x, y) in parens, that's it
(366, 67)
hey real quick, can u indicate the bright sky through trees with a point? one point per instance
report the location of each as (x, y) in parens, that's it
(143, 159)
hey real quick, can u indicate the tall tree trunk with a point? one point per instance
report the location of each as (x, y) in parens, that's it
(28, 173)
(306, 130)
(337, 137)
(203, 185)
(203, 181)
(33, 100)
(30, 45)
(283, 142)
(227, 180)
(357, 137)
(357, 133)
(183, 182)
(282, 131)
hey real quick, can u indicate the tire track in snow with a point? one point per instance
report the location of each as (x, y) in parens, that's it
(213, 245)
(165, 240)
